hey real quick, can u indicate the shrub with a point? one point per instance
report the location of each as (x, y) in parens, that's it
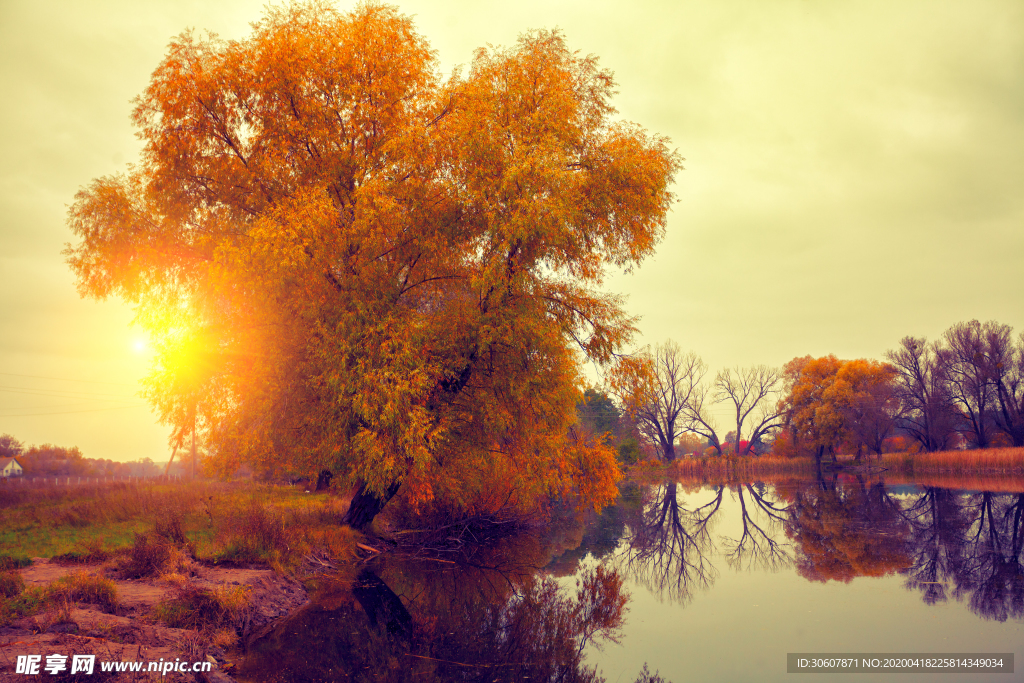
(203, 609)
(146, 557)
(629, 452)
(257, 535)
(170, 529)
(8, 562)
(81, 587)
(28, 601)
(11, 584)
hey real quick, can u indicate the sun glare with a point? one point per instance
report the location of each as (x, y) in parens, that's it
(140, 345)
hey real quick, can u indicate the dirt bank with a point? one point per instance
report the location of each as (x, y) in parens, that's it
(133, 633)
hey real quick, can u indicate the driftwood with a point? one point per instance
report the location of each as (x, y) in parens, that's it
(460, 535)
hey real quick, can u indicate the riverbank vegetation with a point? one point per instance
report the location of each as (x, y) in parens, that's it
(991, 463)
(220, 523)
(959, 399)
(190, 566)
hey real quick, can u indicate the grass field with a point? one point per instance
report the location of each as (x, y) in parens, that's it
(220, 522)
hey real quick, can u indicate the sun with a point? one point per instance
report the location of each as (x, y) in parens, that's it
(140, 345)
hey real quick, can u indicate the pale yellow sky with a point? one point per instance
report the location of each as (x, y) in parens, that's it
(854, 174)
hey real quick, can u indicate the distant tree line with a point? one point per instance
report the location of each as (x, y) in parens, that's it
(48, 460)
(963, 390)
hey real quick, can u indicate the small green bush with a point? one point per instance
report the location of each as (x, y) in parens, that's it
(28, 601)
(629, 452)
(256, 536)
(171, 530)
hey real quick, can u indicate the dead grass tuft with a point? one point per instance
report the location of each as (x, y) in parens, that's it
(206, 610)
(82, 587)
(147, 557)
(11, 584)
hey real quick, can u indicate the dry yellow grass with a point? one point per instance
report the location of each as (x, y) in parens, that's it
(992, 468)
(988, 461)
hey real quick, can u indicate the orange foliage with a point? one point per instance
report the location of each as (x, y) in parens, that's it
(835, 543)
(348, 263)
(833, 402)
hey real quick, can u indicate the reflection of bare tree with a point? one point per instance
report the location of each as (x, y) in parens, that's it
(757, 546)
(669, 545)
(993, 574)
(938, 525)
(974, 542)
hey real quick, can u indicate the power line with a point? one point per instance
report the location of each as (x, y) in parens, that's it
(60, 393)
(70, 412)
(68, 379)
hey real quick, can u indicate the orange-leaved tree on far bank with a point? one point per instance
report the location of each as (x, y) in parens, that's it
(350, 263)
(830, 402)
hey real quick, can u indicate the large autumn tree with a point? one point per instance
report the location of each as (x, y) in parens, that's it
(350, 263)
(830, 402)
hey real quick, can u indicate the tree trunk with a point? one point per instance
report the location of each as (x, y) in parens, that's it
(366, 505)
(669, 451)
(323, 481)
(381, 604)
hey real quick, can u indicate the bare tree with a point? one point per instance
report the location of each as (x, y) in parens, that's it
(967, 373)
(698, 414)
(922, 388)
(752, 389)
(670, 398)
(1006, 369)
(660, 403)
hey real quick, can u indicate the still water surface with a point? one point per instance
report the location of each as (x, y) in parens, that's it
(700, 583)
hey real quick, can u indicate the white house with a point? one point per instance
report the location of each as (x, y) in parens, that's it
(10, 467)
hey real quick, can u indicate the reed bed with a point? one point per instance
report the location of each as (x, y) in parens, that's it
(726, 469)
(982, 461)
(991, 469)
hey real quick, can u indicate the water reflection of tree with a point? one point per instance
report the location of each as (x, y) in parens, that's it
(601, 532)
(489, 618)
(971, 542)
(757, 546)
(842, 532)
(974, 542)
(669, 545)
(937, 542)
(993, 572)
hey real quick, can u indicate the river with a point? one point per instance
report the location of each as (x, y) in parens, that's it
(697, 582)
